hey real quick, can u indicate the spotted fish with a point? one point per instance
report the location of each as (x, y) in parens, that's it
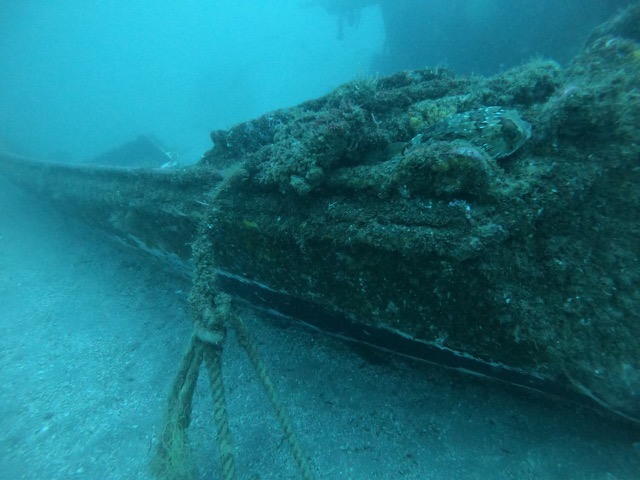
(497, 130)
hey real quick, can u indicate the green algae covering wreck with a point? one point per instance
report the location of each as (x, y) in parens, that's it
(490, 224)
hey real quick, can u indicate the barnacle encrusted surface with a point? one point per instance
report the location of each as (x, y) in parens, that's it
(507, 230)
(523, 251)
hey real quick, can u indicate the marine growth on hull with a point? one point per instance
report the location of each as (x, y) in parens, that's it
(488, 224)
(495, 217)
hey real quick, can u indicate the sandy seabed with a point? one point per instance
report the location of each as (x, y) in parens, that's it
(92, 333)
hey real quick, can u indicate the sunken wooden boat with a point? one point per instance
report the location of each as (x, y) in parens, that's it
(415, 214)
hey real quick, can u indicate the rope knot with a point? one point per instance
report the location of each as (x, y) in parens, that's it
(214, 337)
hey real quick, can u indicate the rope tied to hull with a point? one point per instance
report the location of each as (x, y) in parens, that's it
(206, 345)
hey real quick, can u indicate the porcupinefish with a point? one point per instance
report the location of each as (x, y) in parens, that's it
(497, 130)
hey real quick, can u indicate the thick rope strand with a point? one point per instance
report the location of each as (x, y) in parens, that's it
(220, 415)
(285, 422)
(172, 459)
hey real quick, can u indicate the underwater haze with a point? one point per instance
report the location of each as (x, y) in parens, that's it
(82, 77)
(394, 240)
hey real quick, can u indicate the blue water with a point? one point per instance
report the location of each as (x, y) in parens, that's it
(91, 334)
(79, 78)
